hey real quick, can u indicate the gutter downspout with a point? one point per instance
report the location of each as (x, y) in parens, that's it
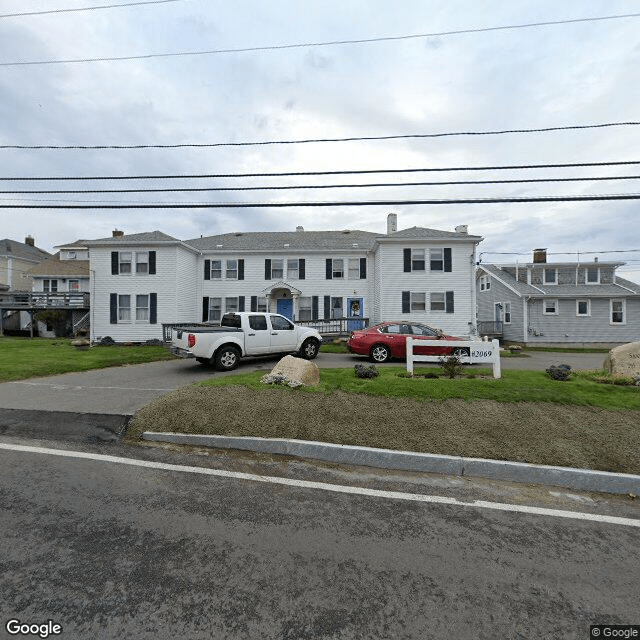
(525, 318)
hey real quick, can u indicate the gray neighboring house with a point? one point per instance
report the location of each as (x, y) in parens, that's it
(557, 303)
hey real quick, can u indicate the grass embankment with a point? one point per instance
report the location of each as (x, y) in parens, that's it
(524, 416)
(28, 357)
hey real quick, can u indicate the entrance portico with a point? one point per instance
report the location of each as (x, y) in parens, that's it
(282, 298)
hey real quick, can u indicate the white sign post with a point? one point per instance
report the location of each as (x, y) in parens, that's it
(479, 352)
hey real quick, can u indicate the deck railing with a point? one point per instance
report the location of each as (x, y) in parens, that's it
(42, 300)
(490, 327)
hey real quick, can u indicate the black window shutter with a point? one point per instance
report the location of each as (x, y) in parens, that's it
(207, 269)
(406, 302)
(406, 254)
(153, 308)
(447, 259)
(113, 306)
(363, 268)
(314, 307)
(448, 305)
(267, 268)
(114, 263)
(301, 269)
(327, 307)
(152, 263)
(329, 269)
(241, 303)
(205, 308)
(241, 269)
(254, 303)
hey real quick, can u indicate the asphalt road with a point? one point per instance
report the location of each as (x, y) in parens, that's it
(123, 390)
(110, 550)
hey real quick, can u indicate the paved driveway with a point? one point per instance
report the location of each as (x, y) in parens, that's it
(123, 390)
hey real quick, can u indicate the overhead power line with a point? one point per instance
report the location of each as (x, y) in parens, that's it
(293, 187)
(104, 6)
(615, 163)
(314, 140)
(365, 203)
(330, 43)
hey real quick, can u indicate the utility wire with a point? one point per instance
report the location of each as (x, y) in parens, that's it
(207, 145)
(437, 34)
(323, 173)
(366, 203)
(105, 6)
(322, 186)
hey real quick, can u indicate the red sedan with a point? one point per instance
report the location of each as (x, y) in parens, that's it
(389, 340)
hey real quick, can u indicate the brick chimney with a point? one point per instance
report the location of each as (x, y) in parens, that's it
(117, 233)
(30, 241)
(539, 256)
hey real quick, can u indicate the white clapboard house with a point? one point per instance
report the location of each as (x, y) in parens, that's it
(141, 281)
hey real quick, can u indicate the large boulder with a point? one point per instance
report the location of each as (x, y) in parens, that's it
(624, 360)
(294, 372)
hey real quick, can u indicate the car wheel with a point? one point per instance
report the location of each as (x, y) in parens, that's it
(227, 359)
(309, 349)
(380, 353)
(460, 352)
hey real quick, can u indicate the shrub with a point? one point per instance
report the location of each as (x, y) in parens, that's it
(451, 366)
(366, 371)
(559, 372)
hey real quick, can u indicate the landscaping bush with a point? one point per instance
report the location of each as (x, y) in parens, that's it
(451, 366)
(366, 371)
(560, 372)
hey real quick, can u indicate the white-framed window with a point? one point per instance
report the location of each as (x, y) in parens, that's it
(436, 259)
(583, 307)
(142, 262)
(550, 307)
(618, 313)
(74, 286)
(337, 268)
(550, 275)
(216, 269)
(485, 283)
(262, 304)
(215, 309)
(232, 270)
(592, 275)
(354, 268)
(124, 262)
(418, 301)
(507, 313)
(50, 286)
(71, 255)
(231, 304)
(336, 307)
(304, 308)
(142, 307)
(277, 269)
(124, 308)
(437, 301)
(417, 260)
(293, 268)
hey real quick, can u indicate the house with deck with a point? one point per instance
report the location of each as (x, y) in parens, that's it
(349, 277)
(544, 303)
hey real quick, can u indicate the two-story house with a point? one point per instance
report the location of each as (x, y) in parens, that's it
(140, 281)
(558, 303)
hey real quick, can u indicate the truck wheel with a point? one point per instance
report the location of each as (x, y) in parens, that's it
(227, 359)
(309, 349)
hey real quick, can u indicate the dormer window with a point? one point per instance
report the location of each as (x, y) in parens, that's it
(592, 275)
(71, 255)
(551, 276)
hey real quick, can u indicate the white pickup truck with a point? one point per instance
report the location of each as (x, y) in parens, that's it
(243, 334)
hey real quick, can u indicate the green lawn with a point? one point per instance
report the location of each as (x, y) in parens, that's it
(29, 357)
(514, 386)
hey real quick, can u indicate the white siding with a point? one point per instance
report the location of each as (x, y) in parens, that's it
(394, 280)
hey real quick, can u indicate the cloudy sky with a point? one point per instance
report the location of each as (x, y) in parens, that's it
(482, 80)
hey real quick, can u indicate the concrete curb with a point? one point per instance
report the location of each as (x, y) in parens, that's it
(577, 479)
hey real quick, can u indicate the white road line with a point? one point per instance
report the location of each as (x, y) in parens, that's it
(324, 486)
(58, 387)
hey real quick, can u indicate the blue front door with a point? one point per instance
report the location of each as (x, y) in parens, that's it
(354, 310)
(285, 307)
